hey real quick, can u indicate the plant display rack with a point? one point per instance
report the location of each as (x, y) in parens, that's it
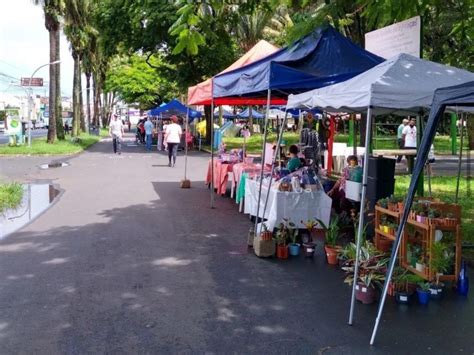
(423, 236)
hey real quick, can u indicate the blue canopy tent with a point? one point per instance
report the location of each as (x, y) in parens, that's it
(322, 58)
(226, 114)
(246, 114)
(174, 107)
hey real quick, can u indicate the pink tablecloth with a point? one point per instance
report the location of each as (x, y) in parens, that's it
(221, 178)
(240, 168)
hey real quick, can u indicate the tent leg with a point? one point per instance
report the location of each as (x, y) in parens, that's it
(269, 93)
(212, 154)
(360, 228)
(186, 146)
(277, 152)
(460, 158)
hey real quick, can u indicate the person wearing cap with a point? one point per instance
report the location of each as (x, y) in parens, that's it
(173, 134)
(116, 132)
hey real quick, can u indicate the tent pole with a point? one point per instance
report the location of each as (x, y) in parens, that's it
(186, 145)
(360, 228)
(212, 153)
(277, 152)
(269, 93)
(460, 158)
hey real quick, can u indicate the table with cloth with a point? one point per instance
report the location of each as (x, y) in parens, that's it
(243, 169)
(294, 206)
(221, 175)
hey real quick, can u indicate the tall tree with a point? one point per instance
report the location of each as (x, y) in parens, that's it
(52, 15)
(77, 27)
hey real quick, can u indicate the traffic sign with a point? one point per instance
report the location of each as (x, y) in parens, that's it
(34, 82)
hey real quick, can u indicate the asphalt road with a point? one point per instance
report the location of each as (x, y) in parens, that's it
(35, 133)
(128, 262)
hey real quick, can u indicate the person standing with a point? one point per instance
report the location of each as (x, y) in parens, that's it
(409, 139)
(400, 141)
(173, 134)
(148, 133)
(116, 132)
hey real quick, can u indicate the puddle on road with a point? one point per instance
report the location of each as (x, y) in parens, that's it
(36, 199)
(53, 165)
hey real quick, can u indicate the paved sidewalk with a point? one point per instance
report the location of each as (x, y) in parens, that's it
(127, 262)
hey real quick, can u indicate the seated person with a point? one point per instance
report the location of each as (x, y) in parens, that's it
(294, 163)
(337, 193)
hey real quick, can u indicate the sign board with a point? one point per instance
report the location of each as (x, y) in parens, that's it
(34, 82)
(401, 37)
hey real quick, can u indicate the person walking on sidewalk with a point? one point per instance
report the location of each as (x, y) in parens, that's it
(148, 133)
(409, 138)
(173, 134)
(116, 132)
(400, 140)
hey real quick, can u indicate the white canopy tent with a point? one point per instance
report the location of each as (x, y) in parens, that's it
(402, 84)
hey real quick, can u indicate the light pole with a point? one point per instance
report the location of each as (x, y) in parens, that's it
(30, 101)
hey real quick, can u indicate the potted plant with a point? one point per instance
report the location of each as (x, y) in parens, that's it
(280, 237)
(420, 264)
(401, 204)
(450, 220)
(332, 234)
(266, 234)
(308, 245)
(433, 217)
(372, 268)
(383, 202)
(423, 292)
(294, 247)
(439, 264)
(404, 286)
(393, 203)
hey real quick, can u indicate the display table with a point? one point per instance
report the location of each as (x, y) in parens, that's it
(240, 168)
(294, 206)
(221, 175)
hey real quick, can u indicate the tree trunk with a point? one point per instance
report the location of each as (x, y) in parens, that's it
(81, 110)
(59, 106)
(88, 99)
(53, 44)
(250, 120)
(76, 88)
(96, 88)
(470, 132)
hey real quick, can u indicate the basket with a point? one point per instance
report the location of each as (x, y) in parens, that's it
(263, 248)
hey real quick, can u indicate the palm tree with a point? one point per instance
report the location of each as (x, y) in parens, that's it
(77, 28)
(52, 14)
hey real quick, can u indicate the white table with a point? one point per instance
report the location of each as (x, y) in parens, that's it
(294, 206)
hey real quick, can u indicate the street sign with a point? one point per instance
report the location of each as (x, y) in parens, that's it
(34, 82)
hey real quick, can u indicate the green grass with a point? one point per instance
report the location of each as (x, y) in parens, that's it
(40, 147)
(254, 144)
(444, 188)
(10, 196)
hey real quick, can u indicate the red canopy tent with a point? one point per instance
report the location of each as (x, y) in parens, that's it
(201, 94)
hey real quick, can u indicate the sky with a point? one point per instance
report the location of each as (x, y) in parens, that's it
(24, 46)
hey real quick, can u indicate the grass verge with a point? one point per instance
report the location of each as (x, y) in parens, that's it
(40, 147)
(10, 196)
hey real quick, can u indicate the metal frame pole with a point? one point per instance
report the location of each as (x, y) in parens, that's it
(265, 133)
(186, 145)
(360, 228)
(460, 158)
(212, 153)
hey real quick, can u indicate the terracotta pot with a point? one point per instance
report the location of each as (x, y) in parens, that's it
(391, 289)
(365, 294)
(282, 252)
(401, 206)
(331, 254)
(450, 222)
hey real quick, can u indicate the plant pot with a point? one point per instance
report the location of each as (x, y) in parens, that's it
(401, 206)
(309, 249)
(266, 235)
(393, 207)
(391, 289)
(421, 219)
(263, 248)
(420, 267)
(436, 291)
(365, 294)
(294, 249)
(437, 221)
(282, 252)
(402, 297)
(385, 244)
(423, 296)
(331, 254)
(450, 222)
